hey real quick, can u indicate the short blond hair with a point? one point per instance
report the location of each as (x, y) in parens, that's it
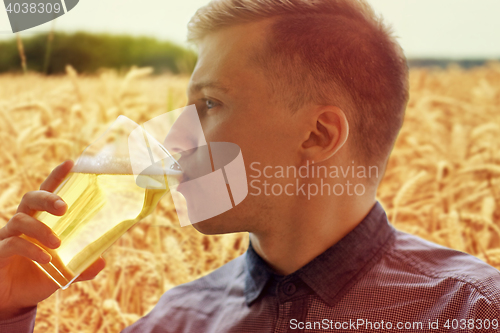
(324, 52)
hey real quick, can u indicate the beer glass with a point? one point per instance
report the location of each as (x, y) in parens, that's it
(117, 181)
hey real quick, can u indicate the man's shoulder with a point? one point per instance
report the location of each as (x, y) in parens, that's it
(441, 263)
(228, 275)
(189, 306)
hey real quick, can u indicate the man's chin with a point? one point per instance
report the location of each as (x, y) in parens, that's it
(215, 226)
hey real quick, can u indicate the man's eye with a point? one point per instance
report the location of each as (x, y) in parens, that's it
(210, 104)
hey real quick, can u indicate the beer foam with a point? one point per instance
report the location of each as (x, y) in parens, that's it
(105, 164)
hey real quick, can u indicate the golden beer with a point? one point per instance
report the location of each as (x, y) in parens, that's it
(101, 208)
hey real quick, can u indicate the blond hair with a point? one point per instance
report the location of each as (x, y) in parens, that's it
(327, 52)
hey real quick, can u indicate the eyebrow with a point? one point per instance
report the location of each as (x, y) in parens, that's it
(209, 84)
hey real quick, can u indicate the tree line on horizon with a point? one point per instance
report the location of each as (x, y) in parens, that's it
(88, 52)
(445, 62)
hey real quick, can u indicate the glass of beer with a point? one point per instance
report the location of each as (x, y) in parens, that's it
(117, 181)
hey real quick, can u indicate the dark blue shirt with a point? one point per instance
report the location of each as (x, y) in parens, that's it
(374, 279)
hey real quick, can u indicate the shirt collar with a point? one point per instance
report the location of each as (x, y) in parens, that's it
(331, 273)
(257, 273)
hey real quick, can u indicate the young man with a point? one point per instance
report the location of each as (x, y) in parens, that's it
(306, 86)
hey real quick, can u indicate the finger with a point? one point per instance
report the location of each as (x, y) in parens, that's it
(24, 224)
(20, 246)
(57, 176)
(93, 270)
(42, 201)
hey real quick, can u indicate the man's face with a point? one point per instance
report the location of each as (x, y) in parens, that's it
(235, 104)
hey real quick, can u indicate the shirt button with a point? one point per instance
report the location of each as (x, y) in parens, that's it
(289, 289)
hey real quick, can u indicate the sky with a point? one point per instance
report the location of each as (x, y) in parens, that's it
(426, 28)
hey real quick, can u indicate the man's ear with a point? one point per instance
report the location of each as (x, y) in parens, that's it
(327, 134)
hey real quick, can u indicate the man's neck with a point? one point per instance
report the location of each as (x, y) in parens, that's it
(315, 228)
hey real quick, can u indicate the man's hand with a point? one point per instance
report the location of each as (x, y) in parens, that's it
(22, 284)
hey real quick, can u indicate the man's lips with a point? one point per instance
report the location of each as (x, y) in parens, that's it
(183, 178)
(191, 164)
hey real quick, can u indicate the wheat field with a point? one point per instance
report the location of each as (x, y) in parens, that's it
(442, 182)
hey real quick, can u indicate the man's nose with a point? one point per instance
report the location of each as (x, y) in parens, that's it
(186, 134)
